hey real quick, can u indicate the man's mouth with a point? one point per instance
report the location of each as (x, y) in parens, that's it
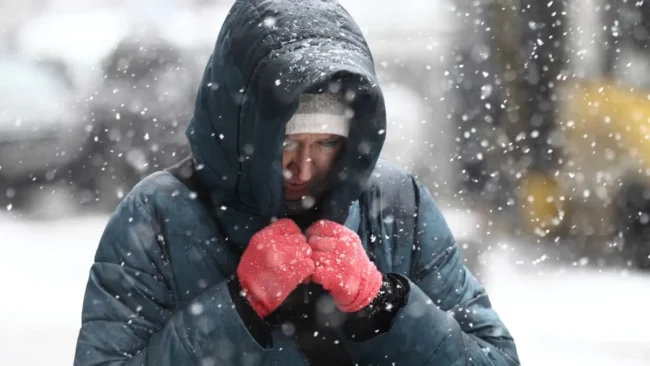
(296, 191)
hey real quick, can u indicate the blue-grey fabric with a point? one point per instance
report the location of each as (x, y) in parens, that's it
(157, 292)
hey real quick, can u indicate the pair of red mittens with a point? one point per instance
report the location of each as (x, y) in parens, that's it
(279, 258)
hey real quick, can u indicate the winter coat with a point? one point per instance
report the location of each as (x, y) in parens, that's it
(157, 293)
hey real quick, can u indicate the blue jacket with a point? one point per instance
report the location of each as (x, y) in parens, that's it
(157, 292)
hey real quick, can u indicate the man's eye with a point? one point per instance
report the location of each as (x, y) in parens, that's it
(289, 145)
(330, 143)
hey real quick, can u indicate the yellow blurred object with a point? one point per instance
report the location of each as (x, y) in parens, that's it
(598, 110)
(542, 206)
(606, 133)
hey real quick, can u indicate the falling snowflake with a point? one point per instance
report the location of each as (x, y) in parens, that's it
(269, 22)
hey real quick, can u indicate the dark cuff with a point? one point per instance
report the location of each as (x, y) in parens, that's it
(377, 317)
(257, 327)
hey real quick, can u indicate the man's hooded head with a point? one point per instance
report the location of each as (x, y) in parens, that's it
(270, 56)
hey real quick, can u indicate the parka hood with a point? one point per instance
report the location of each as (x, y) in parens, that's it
(269, 52)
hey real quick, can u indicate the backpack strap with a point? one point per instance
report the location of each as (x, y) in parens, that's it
(185, 171)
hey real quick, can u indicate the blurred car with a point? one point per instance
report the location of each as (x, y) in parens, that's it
(41, 129)
(139, 110)
(137, 66)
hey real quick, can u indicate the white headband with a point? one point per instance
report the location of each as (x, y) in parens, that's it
(320, 113)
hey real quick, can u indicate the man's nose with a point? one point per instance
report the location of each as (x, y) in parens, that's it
(305, 168)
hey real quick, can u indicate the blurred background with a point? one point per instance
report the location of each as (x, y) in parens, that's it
(528, 120)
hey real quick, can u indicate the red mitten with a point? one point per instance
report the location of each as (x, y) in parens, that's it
(275, 262)
(342, 266)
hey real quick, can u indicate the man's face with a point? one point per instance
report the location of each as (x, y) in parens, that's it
(307, 159)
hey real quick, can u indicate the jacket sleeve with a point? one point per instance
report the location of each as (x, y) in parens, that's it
(130, 316)
(447, 318)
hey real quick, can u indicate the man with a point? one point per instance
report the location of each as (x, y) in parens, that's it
(288, 243)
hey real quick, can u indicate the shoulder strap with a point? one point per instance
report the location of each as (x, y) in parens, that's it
(185, 171)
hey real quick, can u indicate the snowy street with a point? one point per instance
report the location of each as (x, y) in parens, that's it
(570, 316)
(573, 316)
(44, 268)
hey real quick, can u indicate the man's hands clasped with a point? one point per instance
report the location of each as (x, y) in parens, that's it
(280, 257)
